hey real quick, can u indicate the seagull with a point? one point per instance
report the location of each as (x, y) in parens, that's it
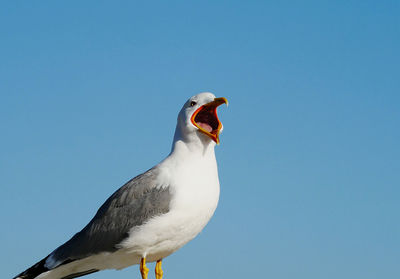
(153, 214)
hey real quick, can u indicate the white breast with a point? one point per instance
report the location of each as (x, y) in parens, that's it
(194, 185)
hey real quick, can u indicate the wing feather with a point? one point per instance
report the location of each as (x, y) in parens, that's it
(133, 204)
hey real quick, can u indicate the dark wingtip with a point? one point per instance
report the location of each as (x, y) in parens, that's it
(33, 271)
(40, 267)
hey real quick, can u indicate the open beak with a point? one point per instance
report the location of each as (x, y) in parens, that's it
(205, 118)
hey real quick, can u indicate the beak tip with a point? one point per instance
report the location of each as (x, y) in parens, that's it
(221, 100)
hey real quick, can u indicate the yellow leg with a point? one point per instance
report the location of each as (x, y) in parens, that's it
(159, 272)
(143, 268)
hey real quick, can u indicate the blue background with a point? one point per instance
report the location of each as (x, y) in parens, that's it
(309, 157)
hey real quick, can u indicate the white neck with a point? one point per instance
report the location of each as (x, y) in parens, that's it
(195, 142)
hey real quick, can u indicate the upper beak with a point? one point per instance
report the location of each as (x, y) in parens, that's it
(219, 101)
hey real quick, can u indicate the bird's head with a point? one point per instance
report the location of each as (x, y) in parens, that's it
(198, 116)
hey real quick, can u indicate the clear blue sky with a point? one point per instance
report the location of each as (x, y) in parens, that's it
(309, 158)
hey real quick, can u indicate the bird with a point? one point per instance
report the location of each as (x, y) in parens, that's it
(155, 213)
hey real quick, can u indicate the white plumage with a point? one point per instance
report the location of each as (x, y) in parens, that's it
(191, 176)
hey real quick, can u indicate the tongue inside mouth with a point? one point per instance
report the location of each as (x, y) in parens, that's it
(205, 126)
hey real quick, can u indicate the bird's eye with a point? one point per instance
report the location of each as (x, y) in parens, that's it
(193, 103)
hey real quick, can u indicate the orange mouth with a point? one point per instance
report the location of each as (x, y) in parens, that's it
(205, 118)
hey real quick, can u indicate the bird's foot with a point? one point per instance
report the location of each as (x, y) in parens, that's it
(159, 271)
(143, 268)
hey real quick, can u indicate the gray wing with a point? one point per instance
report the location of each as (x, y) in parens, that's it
(131, 205)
